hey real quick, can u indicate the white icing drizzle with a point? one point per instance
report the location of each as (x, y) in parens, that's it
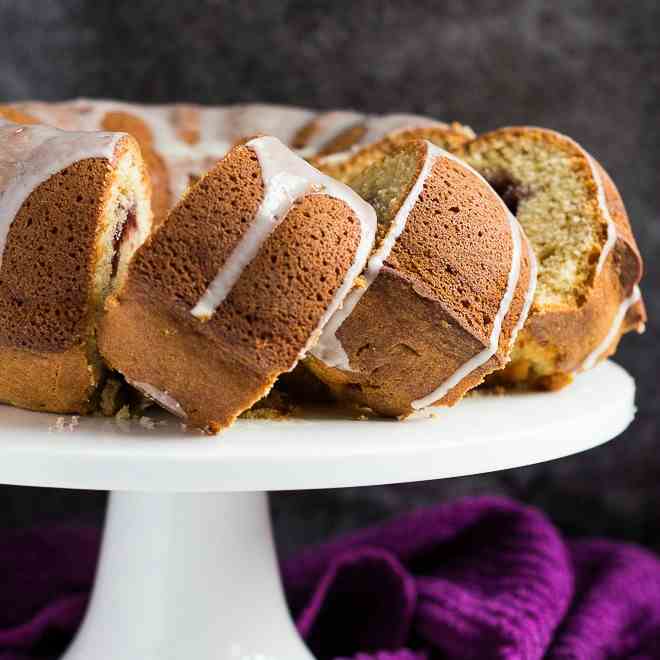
(602, 203)
(620, 315)
(329, 349)
(505, 303)
(286, 178)
(181, 158)
(328, 127)
(30, 155)
(483, 356)
(529, 294)
(250, 120)
(378, 127)
(57, 115)
(163, 399)
(218, 129)
(339, 157)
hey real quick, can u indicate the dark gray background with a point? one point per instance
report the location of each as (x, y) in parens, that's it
(587, 68)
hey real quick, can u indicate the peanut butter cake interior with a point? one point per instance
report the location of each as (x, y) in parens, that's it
(589, 265)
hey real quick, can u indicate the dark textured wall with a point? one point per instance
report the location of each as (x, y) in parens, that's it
(588, 68)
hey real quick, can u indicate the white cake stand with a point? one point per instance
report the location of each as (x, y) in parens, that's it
(188, 569)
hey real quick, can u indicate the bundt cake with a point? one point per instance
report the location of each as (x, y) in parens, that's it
(391, 263)
(74, 207)
(444, 293)
(589, 264)
(236, 286)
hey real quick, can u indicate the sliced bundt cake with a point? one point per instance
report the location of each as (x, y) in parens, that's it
(237, 284)
(444, 293)
(73, 208)
(589, 264)
(264, 254)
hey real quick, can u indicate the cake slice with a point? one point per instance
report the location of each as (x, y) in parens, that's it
(444, 293)
(238, 283)
(73, 209)
(589, 265)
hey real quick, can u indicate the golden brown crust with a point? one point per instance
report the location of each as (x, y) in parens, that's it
(626, 258)
(62, 382)
(152, 346)
(344, 141)
(47, 271)
(430, 310)
(294, 276)
(259, 330)
(48, 289)
(126, 122)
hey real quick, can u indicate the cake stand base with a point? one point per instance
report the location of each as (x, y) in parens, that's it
(188, 576)
(188, 570)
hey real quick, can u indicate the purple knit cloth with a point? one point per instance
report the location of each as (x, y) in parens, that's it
(479, 578)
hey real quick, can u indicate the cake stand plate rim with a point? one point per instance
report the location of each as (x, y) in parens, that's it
(481, 434)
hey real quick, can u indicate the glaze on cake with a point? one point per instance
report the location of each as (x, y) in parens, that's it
(379, 136)
(404, 292)
(245, 272)
(589, 264)
(180, 142)
(73, 208)
(339, 134)
(443, 295)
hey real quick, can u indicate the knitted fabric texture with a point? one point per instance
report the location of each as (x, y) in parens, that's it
(478, 578)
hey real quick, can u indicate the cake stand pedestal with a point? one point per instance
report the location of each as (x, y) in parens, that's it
(188, 569)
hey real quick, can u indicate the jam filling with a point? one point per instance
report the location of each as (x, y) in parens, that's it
(511, 192)
(123, 230)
